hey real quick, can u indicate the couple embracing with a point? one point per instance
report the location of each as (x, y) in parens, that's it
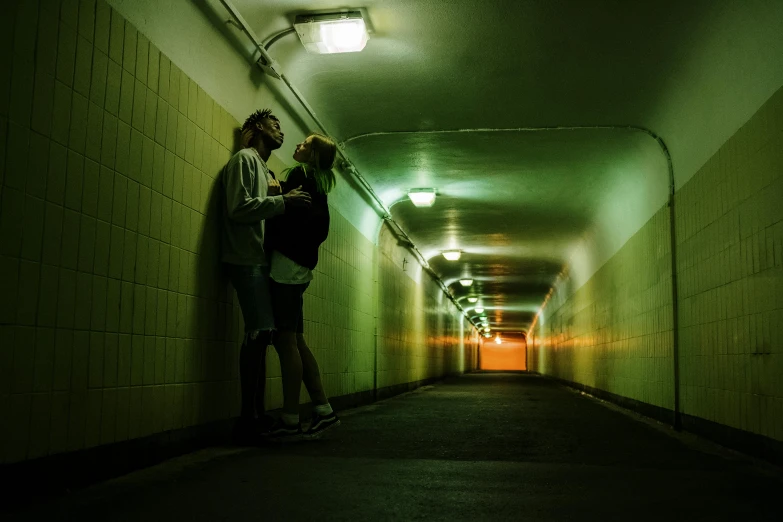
(271, 234)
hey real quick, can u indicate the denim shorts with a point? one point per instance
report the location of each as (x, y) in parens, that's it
(288, 303)
(252, 285)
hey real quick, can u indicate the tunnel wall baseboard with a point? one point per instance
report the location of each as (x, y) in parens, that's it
(740, 440)
(61, 473)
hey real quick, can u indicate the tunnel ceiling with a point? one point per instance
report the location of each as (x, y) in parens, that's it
(516, 202)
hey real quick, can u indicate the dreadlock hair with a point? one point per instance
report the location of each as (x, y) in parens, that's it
(250, 127)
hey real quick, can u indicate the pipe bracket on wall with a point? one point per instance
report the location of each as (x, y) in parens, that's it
(269, 67)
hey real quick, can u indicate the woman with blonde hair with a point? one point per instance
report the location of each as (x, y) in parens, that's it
(294, 239)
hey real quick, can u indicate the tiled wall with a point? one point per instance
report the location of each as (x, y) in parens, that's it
(115, 320)
(730, 266)
(416, 340)
(615, 334)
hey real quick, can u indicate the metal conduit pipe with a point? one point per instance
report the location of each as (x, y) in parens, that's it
(269, 42)
(274, 67)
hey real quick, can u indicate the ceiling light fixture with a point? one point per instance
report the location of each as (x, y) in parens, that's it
(466, 282)
(332, 32)
(479, 310)
(471, 299)
(422, 197)
(453, 255)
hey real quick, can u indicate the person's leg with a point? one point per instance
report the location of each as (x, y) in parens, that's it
(311, 375)
(290, 362)
(291, 370)
(261, 388)
(323, 417)
(252, 372)
(252, 287)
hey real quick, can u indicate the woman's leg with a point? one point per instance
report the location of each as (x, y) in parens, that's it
(291, 369)
(311, 375)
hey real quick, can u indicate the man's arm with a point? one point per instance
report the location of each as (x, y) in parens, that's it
(242, 207)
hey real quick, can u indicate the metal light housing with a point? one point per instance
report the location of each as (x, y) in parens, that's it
(424, 197)
(331, 33)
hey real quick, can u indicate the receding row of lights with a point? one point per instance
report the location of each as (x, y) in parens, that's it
(426, 198)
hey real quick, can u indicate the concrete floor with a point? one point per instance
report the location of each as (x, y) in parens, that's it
(485, 446)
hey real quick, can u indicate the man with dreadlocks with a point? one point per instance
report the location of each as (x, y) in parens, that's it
(252, 196)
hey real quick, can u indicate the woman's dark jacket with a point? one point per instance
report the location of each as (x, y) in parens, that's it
(299, 232)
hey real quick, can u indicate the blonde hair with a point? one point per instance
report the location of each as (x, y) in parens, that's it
(323, 151)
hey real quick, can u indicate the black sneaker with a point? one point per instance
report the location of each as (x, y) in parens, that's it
(319, 424)
(282, 432)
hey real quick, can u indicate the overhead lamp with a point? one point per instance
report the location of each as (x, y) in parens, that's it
(487, 335)
(471, 299)
(453, 255)
(479, 310)
(498, 340)
(422, 197)
(332, 32)
(466, 282)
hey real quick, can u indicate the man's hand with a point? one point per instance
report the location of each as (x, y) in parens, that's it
(297, 198)
(274, 188)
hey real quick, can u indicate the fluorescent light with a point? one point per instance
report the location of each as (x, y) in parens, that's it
(471, 299)
(479, 310)
(332, 33)
(422, 197)
(466, 282)
(498, 340)
(453, 255)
